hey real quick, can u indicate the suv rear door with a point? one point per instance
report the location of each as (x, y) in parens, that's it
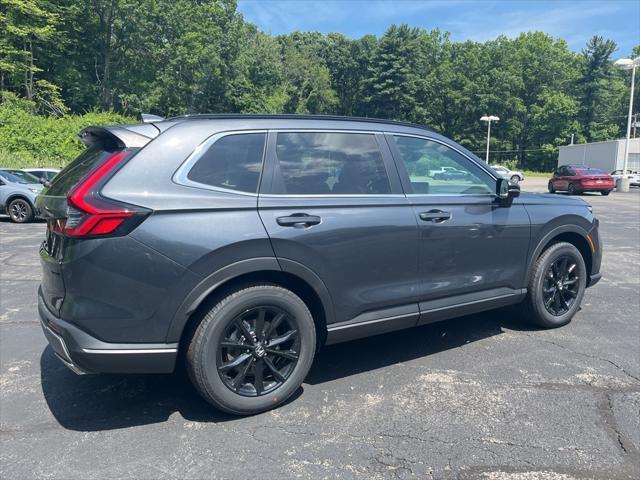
(472, 250)
(332, 202)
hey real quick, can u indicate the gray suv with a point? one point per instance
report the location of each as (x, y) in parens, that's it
(18, 192)
(240, 244)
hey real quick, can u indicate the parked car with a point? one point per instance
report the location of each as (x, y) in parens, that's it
(512, 175)
(18, 192)
(576, 179)
(243, 243)
(436, 171)
(634, 177)
(43, 174)
(452, 174)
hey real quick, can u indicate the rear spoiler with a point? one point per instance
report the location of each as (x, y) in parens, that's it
(118, 137)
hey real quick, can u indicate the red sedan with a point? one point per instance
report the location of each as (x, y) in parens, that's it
(580, 178)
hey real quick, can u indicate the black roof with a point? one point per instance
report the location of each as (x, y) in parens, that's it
(261, 116)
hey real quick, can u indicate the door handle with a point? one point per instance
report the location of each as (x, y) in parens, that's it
(435, 216)
(298, 220)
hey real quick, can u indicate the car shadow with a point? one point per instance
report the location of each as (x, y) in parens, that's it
(107, 402)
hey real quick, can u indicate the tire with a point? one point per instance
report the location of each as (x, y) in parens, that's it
(20, 211)
(225, 321)
(605, 192)
(515, 178)
(550, 187)
(571, 189)
(538, 288)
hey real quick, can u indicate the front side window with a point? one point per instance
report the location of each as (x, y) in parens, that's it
(436, 169)
(233, 162)
(328, 163)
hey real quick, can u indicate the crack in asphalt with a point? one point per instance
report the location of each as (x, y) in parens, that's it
(594, 357)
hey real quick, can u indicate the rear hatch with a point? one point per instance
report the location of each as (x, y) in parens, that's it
(75, 211)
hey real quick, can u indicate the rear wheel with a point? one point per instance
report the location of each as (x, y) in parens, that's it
(556, 286)
(571, 189)
(605, 192)
(20, 211)
(252, 350)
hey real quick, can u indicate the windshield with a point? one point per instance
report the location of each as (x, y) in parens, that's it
(18, 176)
(590, 171)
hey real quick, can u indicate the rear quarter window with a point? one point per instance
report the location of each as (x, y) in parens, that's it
(233, 162)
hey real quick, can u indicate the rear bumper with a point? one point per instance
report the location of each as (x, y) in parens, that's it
(83, 353)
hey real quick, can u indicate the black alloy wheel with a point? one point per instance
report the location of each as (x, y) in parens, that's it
(258, 351)
(561, 285)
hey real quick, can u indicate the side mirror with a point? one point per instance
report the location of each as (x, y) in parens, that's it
(45, 182)
(506, 191)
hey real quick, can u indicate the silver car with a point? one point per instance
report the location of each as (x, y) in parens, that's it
(512, 175)
(18, 192)
(634, 177)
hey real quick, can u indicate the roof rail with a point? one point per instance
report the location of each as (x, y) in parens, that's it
(260, 116)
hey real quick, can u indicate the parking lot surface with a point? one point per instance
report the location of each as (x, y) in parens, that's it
(483, 396)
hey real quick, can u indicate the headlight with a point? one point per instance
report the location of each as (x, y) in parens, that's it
(35, 191)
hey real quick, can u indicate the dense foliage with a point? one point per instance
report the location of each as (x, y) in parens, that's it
(69, 57)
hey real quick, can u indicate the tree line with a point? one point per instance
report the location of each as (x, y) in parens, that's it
(170, 57)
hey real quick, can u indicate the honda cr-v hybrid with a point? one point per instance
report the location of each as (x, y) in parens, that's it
(241, 244)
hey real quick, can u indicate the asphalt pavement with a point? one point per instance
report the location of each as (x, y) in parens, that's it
(485, 396)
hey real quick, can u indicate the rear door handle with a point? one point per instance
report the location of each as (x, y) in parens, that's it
(298, 220)
(435, 216)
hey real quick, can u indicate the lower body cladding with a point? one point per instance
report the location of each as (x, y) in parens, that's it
(83, 353)
(407, 316)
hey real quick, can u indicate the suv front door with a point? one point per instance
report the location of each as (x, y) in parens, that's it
(473, 251)
(332, 202)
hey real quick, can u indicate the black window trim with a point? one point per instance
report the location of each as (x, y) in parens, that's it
(404, 175)
(180, 177)
(387, 161)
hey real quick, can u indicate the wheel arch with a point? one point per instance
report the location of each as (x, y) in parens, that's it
(570, 234)
(15, 196)
(292, 275)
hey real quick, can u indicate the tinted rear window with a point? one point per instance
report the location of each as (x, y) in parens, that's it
(78, 168)
(590, 171)
(233, 162)
(331, 163)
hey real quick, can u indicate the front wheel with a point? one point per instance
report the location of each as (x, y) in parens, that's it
(605, 192)
(556, 286)
(551, 188)
(252, 350)
(20, 211)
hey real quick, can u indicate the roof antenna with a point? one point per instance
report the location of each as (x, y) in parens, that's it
(148, 118)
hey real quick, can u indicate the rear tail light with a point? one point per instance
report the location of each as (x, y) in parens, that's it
(90, 215)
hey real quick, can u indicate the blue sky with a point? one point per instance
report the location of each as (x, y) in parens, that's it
(575, 21)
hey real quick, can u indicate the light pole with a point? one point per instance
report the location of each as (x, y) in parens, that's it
(489, 119)
(627, 64)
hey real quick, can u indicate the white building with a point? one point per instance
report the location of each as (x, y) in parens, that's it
(607, 156)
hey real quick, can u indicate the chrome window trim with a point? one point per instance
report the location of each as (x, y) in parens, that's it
(435, 140)
(180, 177)
(330, 195)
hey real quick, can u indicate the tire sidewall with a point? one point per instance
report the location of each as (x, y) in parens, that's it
(207, 350)
(545, 318)
(29, 210)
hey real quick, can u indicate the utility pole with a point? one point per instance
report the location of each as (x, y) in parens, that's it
(627, 64)
(489, 119)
